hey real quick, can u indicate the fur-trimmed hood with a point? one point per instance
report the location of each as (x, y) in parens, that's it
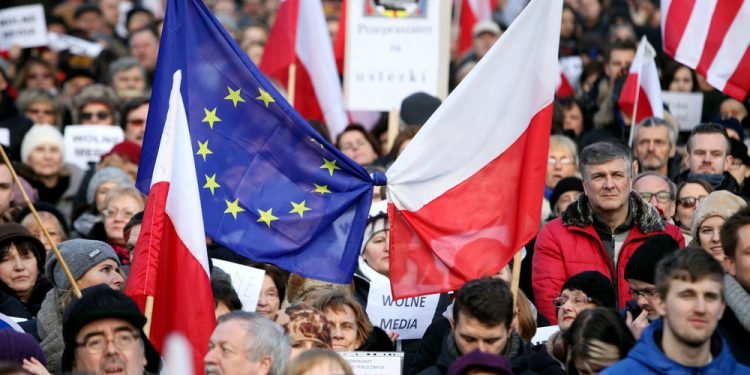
(645, 216)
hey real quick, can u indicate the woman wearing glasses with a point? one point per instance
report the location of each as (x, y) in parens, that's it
(120, 205)
(689, 194)
(97, 104)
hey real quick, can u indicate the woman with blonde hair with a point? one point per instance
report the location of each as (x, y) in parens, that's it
(319, 362)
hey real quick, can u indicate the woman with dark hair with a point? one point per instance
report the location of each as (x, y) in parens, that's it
(37, 73)
(273, 291)
(358, 144)
(679, 78)
(597, 339)
(22, 267)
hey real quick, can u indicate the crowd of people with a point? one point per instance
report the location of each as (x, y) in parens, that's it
(640, 263)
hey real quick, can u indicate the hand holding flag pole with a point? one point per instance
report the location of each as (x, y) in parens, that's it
(71, 279)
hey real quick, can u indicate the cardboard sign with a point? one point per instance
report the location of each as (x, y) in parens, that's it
(247, 282)
(685, 107)
(409, 317)
(375, 363)
(23, 26)
(87, 143)
(394, 50)
(76, 46)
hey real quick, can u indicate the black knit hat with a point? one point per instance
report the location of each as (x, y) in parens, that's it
(563, 186)
(417, 108)
(594, 285)
(642, 264)
(17, 232)
(102, 302)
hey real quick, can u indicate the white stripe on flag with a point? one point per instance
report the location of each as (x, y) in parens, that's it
(732, 49)
(691, 45)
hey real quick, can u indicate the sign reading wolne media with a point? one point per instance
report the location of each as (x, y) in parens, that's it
(23, 26)
(409, 317)
(87, 143)
(394, 49)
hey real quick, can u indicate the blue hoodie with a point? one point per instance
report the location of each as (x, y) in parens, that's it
(647, 357)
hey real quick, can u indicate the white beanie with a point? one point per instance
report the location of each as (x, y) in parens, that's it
(40, 135)
(377, 221)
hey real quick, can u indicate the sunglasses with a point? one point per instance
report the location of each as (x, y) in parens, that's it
(40, 111)
(690, 202)
(98, 115)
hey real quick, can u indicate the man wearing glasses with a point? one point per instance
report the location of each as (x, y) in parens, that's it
(658, 191)
(103, 334)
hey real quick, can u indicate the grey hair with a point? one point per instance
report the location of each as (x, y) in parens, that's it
(123, 64)
(603, 152)
(672, 185)
(97, 92)
(653, 122)
(31, 96)
(565, 143)
(264, 338)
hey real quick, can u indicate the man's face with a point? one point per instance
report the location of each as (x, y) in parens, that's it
(644, 294)
(6, 188)
(483, 42)
(653, 148)
(227, 352)
(739, 266)
(709, 154)
(659, 189)
(132, 239)
(608, 185)
(471, 334)
(619, 61)
(129, 83)
(144, 47)
(691, 310)
(135, 124)
(109, 346)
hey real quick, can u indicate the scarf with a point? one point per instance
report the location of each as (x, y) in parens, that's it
(738, 300)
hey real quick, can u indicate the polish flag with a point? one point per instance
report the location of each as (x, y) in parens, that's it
(464, 200)
(171, 260)
(472, 11)
(300, 36)
(641, 92)
(564, 88)
(339, 42)
(712, 37)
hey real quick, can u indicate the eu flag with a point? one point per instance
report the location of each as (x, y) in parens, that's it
(271, 188)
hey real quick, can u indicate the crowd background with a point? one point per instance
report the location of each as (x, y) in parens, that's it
(684, 189)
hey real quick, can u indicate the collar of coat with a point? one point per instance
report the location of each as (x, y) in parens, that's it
(645, 216)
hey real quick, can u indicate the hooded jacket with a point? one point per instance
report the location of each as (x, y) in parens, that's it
(647, 357)
(570, 244)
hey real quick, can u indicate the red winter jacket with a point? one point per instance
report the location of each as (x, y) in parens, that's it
(569, 245)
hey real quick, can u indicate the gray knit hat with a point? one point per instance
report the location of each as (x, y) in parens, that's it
(719, 203)
(101, 176)
(80, 255)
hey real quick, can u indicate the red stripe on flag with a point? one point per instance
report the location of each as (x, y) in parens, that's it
(476, 237)
(626, 103)
(280, 51)
(466, 26)
(675, 24)
(738, 83)
(726, 11)
(339, 43)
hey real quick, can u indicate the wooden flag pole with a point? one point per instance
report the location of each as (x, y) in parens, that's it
(292, 83)
(148, 310)
(516, 278)
(393, 125)
(64, 266)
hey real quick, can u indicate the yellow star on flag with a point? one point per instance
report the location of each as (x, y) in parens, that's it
(299, 208)
(210, 117)
(266, 217)
(330, 165)
(203, 150)
(233, 208)
(322, 189)
(211, 183)
(234, 96)
(265, 97)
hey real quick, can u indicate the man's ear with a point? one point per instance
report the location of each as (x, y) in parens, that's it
(728, 162)
(265, 365)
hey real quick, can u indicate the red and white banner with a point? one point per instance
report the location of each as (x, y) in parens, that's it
(641, 93)
(463, 202)
(472, 11)
(712, 37)
(300, 36)
(171, 260)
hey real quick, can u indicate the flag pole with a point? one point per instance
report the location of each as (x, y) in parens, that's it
(39, 222)
(393, 125)
(292, 83)
(148, 310)
(517, 258)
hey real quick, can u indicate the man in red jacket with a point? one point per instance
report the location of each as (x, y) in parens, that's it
(598, 232)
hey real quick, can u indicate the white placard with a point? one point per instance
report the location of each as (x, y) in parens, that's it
(5, 137)
(393, 54)
(77, 46)
(86, 143)
(572, 67)
(23, 26)
(543, 334)
(685, 107)
(247, 282)
(375, 363)
(409, 317)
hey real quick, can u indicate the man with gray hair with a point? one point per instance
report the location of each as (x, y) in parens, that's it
(599, 231)
(654, 147)
(245, 343)
(659, 191)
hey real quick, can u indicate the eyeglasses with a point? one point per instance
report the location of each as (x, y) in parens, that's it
(661, 196)
(99, 115)
(39, 76)
(41, 111)
(562, 161)
(97, 343)
(110, 214)
(646, 293)
(576, 301)
(690, 202)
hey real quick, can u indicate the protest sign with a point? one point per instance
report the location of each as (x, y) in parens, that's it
(685, 107)
(87, 143)
(395, 50)
(76, 46)
(5, 137)
(247, 282)
(375, 363)
(409, 317)
(23, 26)
(543, 334)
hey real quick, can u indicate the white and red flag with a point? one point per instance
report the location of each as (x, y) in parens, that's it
(300, 36)
(712, 37)
(641, 93)
(466, 193)
(472, 11)
(170, 262)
